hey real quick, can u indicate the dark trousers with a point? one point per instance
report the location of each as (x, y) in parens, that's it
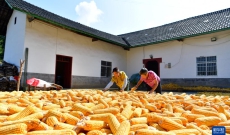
(158, 89)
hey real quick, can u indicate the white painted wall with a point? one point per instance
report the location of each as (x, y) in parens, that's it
(15, 38)
(45, 41)
(182, 56)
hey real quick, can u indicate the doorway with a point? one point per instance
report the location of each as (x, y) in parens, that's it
(63, 71)
(153, 64)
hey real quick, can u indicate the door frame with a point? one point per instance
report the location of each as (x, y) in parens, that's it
(159, 60)
(71, 63)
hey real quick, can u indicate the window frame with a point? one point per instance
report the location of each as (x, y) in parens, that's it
(107, 67)
(206, 62)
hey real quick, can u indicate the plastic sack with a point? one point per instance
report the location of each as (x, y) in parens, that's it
(38, 82)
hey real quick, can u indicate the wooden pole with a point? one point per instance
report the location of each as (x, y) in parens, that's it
(20, 74)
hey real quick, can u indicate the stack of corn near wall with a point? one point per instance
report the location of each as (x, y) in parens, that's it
(93, 112)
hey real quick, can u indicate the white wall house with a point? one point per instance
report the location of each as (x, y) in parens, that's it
(183, 55)
(73, 55)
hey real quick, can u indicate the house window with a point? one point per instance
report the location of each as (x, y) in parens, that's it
(206, 66)
(106, 68)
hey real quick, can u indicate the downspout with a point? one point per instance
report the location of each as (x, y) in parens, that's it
(25, 69)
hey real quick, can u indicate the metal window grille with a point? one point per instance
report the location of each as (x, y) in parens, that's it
(206, 66)
(106, 68)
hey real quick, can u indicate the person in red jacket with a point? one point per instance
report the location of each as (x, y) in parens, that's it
(151, 79)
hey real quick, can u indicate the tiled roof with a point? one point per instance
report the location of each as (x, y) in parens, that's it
(61, 21)
(194, 26)
(203, 24)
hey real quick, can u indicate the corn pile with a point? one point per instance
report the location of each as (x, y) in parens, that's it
(93, 112)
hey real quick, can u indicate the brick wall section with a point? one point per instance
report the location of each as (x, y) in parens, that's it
(101, 82)
(210, 82)
(77, 81)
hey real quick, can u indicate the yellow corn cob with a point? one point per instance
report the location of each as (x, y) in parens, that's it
(190, 107)
(43, 126)
(38, 115)
(204, 112)
(178, 109)
(220, 109)
(103, 102)
(204, 127)
(183, 120)
(169, 124)
(113, 123)
(225, 123)
(39, 105)
(100, 117)
(3, 118)
(185, 131)
(169, 114)
(152, 132)
(107, 131)
(71, 93)
(208, 121)
(127, 103)
(178, 121)
(107, 100)
(222, 116)
(140, 120)
(127, 112)
(192, 126)
(137, 104)
(169, 107)
(10, 117)
(19, 128)
(93, 125)
(15, 109)
(211, 108)
(31, 123)
(25, 112)
(60, 116)
(98, 106)
(144, 110)
(192, 117)
(52, 121)
(88, 105)
(85, 110)
(12, 100)
(23, 100)
(70, 119)
(120, 118)
(227, 129)
(158, 105)
(114, 103)
(151, 107)
(34, 101)
(144, 101)
(91, 99)
(137, 112)
(53, 132)
(138, 127)
(112, 110)
(50, 106)
(62, 103)
(60, 126)
(124, 128)
(156, 125)
(94, 132)
(77, 114)
(3, 110)
(153, 117)
(81, 134)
